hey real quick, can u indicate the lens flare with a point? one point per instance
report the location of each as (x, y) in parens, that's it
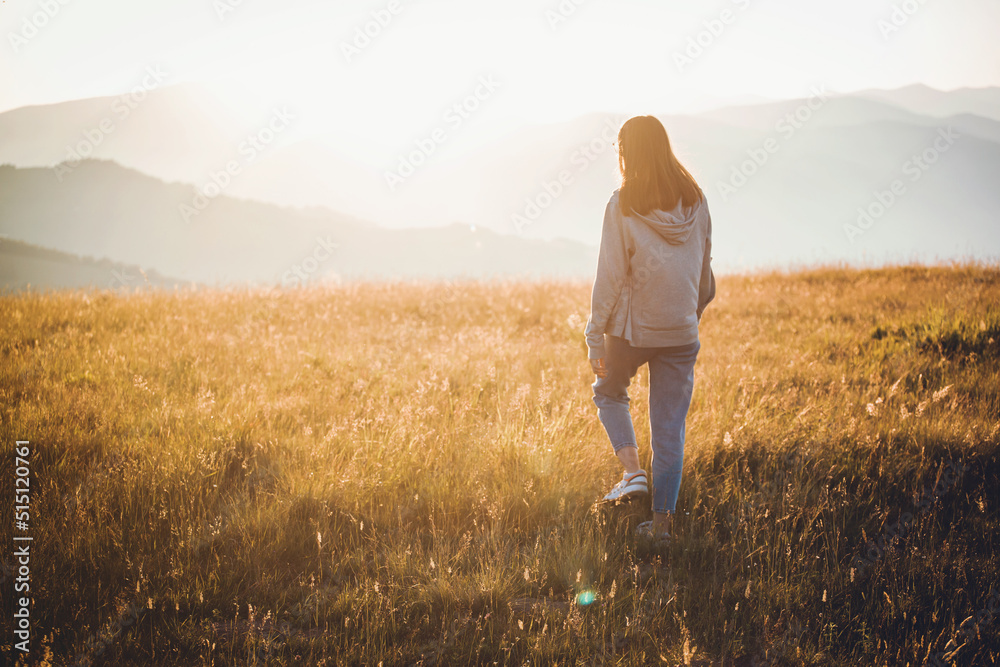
(585, 597)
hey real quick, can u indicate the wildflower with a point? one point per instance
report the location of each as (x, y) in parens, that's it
(941, 393)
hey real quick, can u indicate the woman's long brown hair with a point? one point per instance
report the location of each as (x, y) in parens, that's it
(652, 177)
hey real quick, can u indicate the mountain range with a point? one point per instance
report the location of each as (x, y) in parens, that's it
(26, 266)
(867, 177)
(102, 209)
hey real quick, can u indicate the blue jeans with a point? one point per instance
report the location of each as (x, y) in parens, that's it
(671, 381)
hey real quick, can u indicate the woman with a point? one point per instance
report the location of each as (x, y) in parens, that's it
(654, 279)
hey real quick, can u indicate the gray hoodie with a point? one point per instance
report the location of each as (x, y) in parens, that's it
(654, 277)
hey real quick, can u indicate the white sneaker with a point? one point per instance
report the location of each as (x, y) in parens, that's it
(631, 485)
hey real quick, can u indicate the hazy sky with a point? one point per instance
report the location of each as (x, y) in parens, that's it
(552, 60)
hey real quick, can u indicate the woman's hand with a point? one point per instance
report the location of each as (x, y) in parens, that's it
(600, 370)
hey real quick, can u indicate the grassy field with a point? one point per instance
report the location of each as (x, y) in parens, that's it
(403, 474)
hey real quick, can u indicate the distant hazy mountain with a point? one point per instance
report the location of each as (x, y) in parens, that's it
(105, 210)
(174, 133)
(786, 180)
(27, 266)
(927, 101)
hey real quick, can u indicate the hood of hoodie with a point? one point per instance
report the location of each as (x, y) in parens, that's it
(674, 226)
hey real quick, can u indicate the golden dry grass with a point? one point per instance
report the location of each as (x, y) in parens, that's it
(402, 474)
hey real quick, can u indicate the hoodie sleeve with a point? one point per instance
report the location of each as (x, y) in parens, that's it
(706, 288)
(612, 268)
